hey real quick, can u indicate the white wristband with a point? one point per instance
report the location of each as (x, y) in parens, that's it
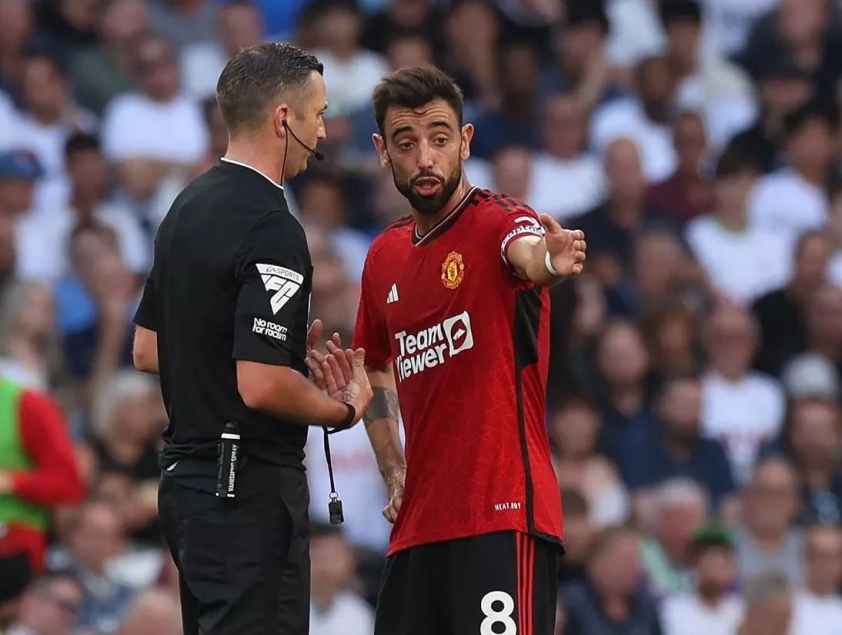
(548, 262)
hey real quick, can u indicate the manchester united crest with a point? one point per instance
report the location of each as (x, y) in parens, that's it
(452, 270)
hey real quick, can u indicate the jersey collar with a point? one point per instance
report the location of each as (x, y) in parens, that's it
(246, 165)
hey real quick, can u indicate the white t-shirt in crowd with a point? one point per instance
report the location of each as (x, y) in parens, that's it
(815, 615)
(348, 615)
(135, 126)
(784, 201)
(625, 118)
(685, 614)
(741, 264)
(742, 415)
(201, 66)
(728, 23)
(9, 123)
(350, 82)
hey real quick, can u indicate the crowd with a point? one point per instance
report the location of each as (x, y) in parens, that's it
(695, 376)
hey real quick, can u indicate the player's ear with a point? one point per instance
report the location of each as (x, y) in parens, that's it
(467, 135)
(380, 145)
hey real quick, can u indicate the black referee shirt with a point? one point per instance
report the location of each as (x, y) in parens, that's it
(231, 279)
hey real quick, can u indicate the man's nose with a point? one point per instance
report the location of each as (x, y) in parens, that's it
(425, 156)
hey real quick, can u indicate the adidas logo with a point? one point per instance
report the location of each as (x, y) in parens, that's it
(393, 294)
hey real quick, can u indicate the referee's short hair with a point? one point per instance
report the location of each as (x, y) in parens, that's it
(257, 78)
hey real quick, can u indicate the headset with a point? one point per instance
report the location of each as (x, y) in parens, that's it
(319, 156)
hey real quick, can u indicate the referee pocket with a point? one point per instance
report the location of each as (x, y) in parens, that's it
(203, 540)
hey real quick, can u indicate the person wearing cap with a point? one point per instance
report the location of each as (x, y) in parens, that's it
(712, 607)
(19, 170)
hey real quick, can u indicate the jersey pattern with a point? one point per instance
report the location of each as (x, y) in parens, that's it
(469, 345)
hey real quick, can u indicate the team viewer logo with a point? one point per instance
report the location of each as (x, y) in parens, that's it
(452, 270)
(281, 282)
(433, 346)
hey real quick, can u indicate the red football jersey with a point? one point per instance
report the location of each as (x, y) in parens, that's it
(469, 344)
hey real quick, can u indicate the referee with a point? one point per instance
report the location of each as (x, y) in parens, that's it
(223, 321)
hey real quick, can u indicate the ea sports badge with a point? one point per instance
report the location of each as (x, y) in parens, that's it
(452, 270)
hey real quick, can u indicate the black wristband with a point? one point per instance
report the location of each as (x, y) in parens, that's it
(347, 421)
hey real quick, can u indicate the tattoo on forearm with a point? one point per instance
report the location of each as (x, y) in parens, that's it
(384, 405)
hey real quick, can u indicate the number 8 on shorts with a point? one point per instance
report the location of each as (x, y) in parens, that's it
(497, 607)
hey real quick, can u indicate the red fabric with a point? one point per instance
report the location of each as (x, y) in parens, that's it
(444, 311)
(55, 478)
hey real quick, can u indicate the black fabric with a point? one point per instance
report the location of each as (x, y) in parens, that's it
(244, 563)
(464, 586)
(231, 279)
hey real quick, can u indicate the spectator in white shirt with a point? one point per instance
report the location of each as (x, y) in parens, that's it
(794, 199)
(742, 408)
(51, 116)
(239, 24)
(153, 611)
(818, 607)
(742, 260)
(155, 132)
(712, 609)
(335, 608)
(769, 600)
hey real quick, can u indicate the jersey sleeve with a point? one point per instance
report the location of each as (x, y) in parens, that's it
(370, 330)
(146, 313)
(272, 270)
(517, 221)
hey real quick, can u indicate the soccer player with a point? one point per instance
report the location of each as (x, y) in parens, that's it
(454, 318)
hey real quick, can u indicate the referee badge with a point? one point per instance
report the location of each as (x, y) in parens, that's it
(452, 270)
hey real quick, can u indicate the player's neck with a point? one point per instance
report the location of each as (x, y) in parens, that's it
(425, 222)
(257, 156)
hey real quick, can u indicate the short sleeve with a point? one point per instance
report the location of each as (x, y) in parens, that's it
(273, 273)
(370, 331)
(146, 313)
(519, 221)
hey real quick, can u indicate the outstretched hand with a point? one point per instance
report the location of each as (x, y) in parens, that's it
(566, 247)
(317, 361)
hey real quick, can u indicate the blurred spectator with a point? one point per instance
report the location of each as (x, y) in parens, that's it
(818, 607)
(741, 259)
(671, 332)
(512, 171)
(794, 199)
(643, 118)
(152, 612)
(239, 24)
(811, 441)
(706, 84)
(678, 510)
(104, 70)
(688, 192)
(471, 29)
(768, 605)
(403, 16)
(675, 447)
(30, 350)
(767, 541)
(335, 609)
(38, 470)
(96, 539)
(742, 408)
(351, 72)
(612, 598)
(217, 135)
(155, 132)
(782, 312)
(184, 22)
(17, 27)
(824, 324)
(578, 534)
(71, 24)
(50, 118)
(623, 393)
(574, 428)
(49, 606)
(711, 607)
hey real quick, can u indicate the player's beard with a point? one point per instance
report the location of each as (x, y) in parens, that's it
(429, 205)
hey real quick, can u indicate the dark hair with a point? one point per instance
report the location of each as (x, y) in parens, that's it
(736, 160)
(807, 113)
(256, 77)
(672, 11)
(413, 88)
(581, 13)
(45, 55)
(80, 142)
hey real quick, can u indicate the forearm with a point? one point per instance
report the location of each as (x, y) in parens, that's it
(527, 257)
(381, 423)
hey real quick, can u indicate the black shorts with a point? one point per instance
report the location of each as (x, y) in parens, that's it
(244, 563)
(503, 583)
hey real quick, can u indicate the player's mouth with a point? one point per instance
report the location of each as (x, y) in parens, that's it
(427, 186)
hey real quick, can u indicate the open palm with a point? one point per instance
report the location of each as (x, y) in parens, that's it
(567, 247)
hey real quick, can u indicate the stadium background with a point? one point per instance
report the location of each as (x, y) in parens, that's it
(695, 368)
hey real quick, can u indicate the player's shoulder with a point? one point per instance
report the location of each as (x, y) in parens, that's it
(390, 237)
(496, 205)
